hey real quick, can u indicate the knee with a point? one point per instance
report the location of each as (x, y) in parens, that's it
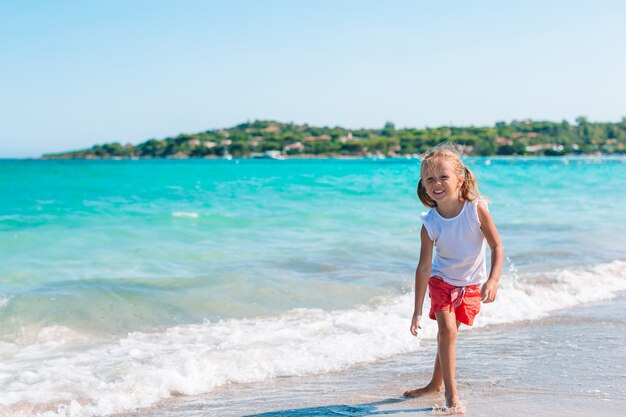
(447, 333)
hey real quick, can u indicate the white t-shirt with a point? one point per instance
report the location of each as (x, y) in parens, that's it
(459, 245)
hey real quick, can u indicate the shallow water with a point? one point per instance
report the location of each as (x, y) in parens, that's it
(570, 363)
(131, 282)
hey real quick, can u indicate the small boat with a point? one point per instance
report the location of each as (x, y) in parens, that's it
(269, 155)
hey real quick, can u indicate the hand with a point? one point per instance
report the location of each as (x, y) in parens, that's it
(488, 291)
(415, 323)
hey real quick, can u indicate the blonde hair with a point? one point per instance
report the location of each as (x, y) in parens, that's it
(450, 152)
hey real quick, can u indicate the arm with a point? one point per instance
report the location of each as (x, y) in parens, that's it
(490, 288)
(422, 274)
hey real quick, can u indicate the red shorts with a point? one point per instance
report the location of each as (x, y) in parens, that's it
(445, 297)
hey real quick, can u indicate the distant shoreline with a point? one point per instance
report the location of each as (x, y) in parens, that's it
(319, 157)
(270, 139)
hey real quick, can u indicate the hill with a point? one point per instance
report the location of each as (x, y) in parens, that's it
(267, 137)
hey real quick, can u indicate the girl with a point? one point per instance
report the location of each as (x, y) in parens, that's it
(457, 226)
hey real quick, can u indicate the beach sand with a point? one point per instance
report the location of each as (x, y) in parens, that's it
(569, 364)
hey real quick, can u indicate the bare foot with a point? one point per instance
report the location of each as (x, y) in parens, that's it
(452, 400)
(428, 389)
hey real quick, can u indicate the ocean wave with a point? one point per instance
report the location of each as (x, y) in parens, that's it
(190, 214)
(52, 377)
(4, 301)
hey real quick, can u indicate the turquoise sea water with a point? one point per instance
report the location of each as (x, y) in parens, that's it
(95, 251)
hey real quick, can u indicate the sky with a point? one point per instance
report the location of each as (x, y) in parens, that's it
(78, 73)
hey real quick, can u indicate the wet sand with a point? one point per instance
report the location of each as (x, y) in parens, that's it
(572, 363)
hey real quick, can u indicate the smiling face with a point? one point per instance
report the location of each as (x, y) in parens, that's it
(441, 181)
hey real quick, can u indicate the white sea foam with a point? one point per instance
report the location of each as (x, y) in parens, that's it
(189, 214)
(54, 377)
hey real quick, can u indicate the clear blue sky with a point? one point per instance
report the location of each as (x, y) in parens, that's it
(74, 74)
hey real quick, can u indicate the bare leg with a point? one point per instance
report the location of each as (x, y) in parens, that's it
(446, 321)
(433, 386)
(436, 381)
